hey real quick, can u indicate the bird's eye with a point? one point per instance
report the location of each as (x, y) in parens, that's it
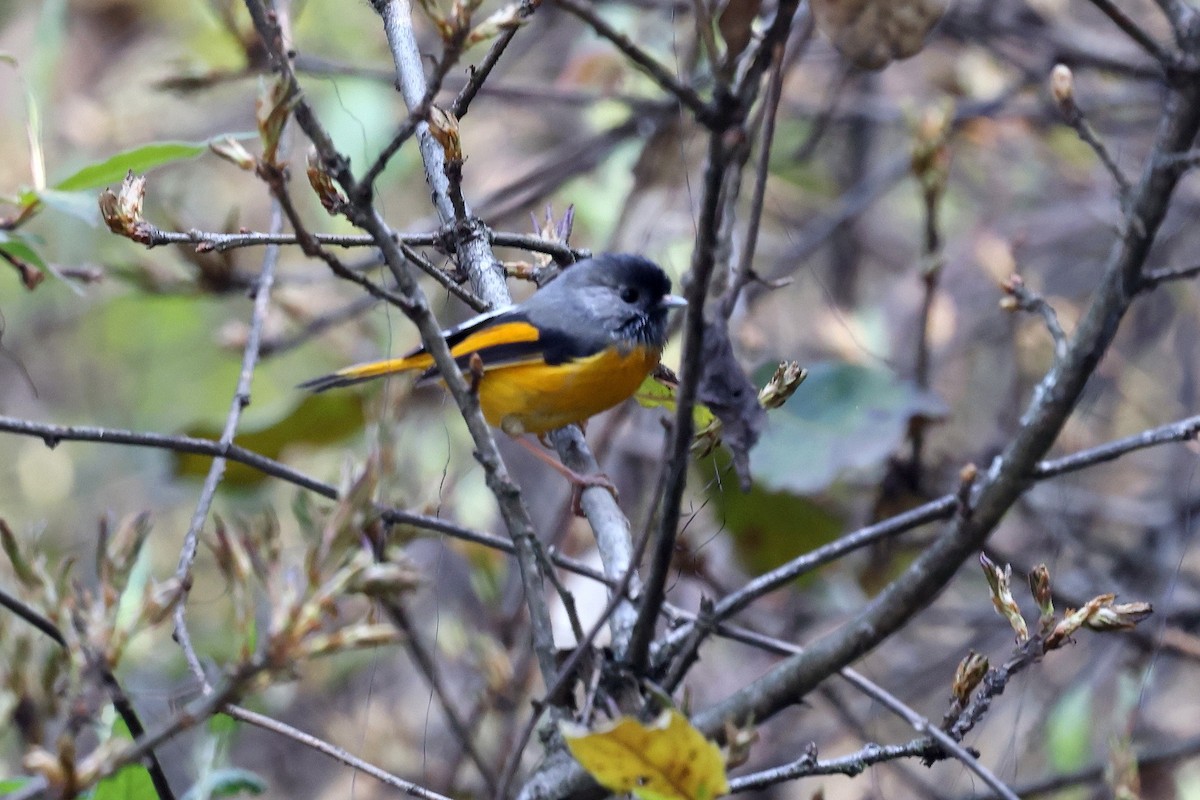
(629, 294)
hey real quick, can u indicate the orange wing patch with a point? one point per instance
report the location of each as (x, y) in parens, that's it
(493, 336)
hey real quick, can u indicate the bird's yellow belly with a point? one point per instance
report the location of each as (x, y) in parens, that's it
(537, 397)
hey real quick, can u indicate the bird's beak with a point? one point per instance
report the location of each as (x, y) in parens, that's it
(672, 301)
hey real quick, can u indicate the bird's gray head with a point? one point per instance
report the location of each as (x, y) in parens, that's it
(625, 296)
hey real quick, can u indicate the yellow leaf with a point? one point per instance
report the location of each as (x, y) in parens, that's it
(656, 392)
(666, 760)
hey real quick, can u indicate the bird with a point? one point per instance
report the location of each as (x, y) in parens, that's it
(580, 345)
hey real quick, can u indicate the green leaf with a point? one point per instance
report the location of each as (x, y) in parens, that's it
(139, 159)
(768, 528)
(845, 417)
(222, 724)
(129, 783)
(80, 205)
(227, 782)
(15, 245)
(10, 785)
(1068, 730)
(319, 419)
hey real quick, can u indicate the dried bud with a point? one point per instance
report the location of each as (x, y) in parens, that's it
(444, 127)
(738, 742)
(387, 580)
(966, 482)
(122, 211)
(160, 598)
(21, 568)
(1062, 86)
(123, 548)
(273, 108)
(356, 637)
(1098, 614)
(507, 18)
(967, 676)
(232, 151)
(1065, 629)
(1039, 584)
(460, 12)
(930, 158)
(1118, 616)
(322, 182)
(232, 557)
(783, 384)
(1000, 582)
(1013, 284)
(494, 665)
(43, 762)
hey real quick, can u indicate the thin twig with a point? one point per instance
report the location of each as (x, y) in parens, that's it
(480, 72)
(1154, 277)
(1134, 31)
(1145, 758)
(676, 466)
(808, 765)
(447, 281)
(207, 241)
(1185, 430)
(241, 399)
(1075, 117)
(745, 269)
(52, 435)
(318, 325)
(427, 666)
(650, 65)
(728, 113)
(1025, 299)
(687, 639)
(331, 750)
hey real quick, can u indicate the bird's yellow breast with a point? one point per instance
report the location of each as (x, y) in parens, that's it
(535, 397)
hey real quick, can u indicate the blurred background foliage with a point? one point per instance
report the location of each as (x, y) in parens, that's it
(120, 336)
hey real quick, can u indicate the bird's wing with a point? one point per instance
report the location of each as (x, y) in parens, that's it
(501, 338)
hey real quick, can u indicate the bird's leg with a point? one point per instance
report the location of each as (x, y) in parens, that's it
(578, 482)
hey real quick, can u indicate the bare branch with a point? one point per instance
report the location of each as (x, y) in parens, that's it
(52, 435)
(331, 750)
(650, 65)
(1154, 277)
(1022, 298)
(1062, 87)
(1134, 31)
(241, 399)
